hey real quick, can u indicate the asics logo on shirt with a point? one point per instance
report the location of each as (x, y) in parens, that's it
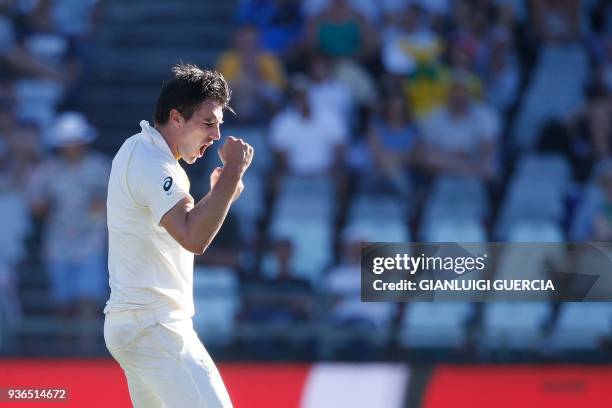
(167, 183)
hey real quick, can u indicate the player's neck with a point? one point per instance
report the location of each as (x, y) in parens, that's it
(170, 140)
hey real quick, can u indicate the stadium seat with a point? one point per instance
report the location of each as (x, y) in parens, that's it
(534, 231)
(513, 325)
(453, 199)
(377, 208)
(305, 198)
(312, 240)
(582, 325)
(530, 200)
(439, 324)
(550, 168)
(381, 231)
(216, 300)
(544, 98)
(250, 206)
(457, 230)
(344, 282)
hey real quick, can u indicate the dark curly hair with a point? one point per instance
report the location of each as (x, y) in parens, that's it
(188, 88)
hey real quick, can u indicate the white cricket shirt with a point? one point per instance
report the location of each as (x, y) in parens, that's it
(148, 268)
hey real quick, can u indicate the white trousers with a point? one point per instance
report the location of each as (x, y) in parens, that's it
(165, 363)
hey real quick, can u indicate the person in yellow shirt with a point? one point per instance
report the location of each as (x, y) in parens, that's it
(427, 87)
(256, 76)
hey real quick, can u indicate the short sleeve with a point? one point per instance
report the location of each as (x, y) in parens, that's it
(157, 184)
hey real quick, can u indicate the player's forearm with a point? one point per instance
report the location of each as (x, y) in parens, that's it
(205, 219)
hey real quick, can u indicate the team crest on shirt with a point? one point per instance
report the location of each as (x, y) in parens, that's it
(167, 183)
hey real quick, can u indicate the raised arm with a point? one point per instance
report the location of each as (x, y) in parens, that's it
(195, 226)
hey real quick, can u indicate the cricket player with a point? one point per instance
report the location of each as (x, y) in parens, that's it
(155, 228)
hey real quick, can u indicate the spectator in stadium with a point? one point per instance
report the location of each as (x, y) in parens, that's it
(68, 190)
(342, 287)
(50, 64)
(589, 129)
(284, 281)
(427, 88)
(369, 9)
(306, 141)
(326, 91)
(393, 139)
(460, 138)
(557, 21)
(463, 58)
(279, 299)
(410, 44)
(471, 27)
(255, 75)
(26, 151)
(14, 57)
(279, 21)
(340, 31)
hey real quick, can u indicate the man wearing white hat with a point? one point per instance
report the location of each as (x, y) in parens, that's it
(67, 191)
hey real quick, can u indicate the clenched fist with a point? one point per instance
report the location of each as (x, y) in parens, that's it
(236, 155)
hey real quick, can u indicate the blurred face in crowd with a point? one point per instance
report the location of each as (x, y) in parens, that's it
(319, 69)
(73, 153)
(247, 40)
(199, 132)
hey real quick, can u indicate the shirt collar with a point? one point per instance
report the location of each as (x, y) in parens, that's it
(155, 137)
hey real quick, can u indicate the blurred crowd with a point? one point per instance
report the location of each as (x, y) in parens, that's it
(372, 120)
(52, 185)
(416, 120)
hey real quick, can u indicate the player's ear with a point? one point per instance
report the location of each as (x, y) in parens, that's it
(175, 117)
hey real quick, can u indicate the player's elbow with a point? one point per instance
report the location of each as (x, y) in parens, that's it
(195, 245)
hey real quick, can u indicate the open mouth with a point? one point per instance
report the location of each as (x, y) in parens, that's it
(203, 149)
